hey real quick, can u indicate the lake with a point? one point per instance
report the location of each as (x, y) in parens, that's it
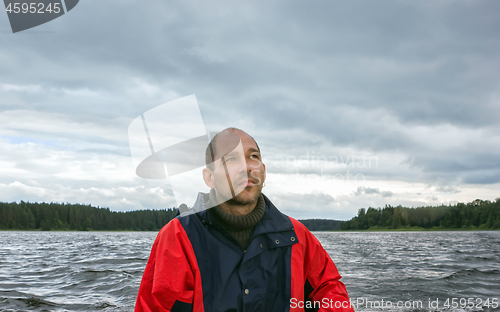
(383, 271)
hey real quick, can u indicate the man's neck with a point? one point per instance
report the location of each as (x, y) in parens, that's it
(239, 209)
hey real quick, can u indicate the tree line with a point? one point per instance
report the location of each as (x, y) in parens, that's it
(321, 224)
(476, 215)
(77, 217)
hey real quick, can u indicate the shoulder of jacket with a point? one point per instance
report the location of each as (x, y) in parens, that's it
(297, 225)
(301, 230)
(172, 227)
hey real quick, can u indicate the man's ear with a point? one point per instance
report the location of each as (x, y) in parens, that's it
(208, 177)
(264, 176)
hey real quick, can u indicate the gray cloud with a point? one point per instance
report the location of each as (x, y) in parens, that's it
(362, 190)
(448, 189)
(387, 194)
(366, 190)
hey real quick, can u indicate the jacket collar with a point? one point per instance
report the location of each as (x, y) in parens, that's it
(272, 220)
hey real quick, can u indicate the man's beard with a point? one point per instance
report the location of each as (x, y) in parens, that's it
(238, 199)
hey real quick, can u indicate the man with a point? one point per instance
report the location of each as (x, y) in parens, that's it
(242, 254)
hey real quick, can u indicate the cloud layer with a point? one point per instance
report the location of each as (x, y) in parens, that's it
(411, 86)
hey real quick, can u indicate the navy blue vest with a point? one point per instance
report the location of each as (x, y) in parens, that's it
(255, 279)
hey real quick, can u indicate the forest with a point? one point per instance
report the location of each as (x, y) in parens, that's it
(321, 224)
(76, 217)
(476, 215)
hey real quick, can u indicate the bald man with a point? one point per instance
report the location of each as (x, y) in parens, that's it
(235, 251)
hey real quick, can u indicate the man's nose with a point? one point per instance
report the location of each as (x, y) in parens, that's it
(253, 168)
(243, 167)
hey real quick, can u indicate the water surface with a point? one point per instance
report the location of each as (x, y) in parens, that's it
(101, 271)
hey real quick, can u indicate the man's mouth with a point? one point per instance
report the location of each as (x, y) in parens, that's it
(247, 182)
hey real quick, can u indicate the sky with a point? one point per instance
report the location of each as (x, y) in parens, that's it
(354, 104)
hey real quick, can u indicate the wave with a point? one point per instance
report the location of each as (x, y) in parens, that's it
(471, 273)
(35, 302)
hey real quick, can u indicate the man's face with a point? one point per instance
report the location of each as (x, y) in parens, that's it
(239, 175)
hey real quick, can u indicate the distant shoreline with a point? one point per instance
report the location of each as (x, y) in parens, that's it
(477, 215)
(416, 230)
(346, 231)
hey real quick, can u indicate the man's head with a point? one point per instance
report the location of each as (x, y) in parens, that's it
(234, 167)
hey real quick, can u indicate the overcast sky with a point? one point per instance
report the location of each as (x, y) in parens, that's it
(353, 103)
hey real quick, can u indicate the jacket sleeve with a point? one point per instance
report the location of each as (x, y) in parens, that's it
(320, 274)
(171, 280)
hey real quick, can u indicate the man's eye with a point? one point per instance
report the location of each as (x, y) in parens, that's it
(254, 156)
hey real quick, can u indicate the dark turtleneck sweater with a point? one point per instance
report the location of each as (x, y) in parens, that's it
(240, 227)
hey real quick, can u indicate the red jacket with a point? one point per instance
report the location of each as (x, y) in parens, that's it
(195, 265)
